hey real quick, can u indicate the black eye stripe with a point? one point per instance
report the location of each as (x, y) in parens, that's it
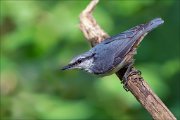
(79, 61)
(82, 59)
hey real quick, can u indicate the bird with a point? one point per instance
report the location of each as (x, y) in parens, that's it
(113, 53)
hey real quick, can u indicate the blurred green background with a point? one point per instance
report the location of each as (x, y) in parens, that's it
(39, 37)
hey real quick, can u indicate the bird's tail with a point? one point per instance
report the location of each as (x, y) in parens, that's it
(153, 24)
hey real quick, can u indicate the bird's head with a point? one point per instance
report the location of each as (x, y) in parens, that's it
(83, 61)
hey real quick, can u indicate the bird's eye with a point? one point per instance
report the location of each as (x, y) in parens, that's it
(79, 61)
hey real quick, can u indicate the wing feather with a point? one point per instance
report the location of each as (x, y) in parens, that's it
(112, 51)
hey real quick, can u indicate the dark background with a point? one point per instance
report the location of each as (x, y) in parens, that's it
(39, 37)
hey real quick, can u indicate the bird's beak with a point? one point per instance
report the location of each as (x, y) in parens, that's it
(66, 67)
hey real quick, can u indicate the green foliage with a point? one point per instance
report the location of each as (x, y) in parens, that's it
(39, 37)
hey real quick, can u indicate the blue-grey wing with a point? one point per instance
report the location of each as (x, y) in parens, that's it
(111, 51)
(108, 56)
(123, 43)
(103, 60)
(125, 48)
(124, 35)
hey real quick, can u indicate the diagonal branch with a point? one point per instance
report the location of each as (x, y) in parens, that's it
(136, 84)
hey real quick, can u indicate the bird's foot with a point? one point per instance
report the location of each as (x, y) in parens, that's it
(129, 72)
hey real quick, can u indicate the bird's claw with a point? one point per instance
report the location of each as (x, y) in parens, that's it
(126, 75)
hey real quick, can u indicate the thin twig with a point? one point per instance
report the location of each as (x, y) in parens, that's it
(136, 84)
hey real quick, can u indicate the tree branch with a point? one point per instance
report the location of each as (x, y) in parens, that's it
(136, 84)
